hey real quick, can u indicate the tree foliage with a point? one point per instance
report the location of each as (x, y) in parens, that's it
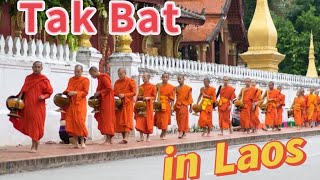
(294, 20)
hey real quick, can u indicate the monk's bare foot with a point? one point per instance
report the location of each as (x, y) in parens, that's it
(180, 135)
(140, 139)
(184, 135)
(83, 146)
(32, 151)
(148, 140)
(123, 142)
(220, 134)
(208, 134)
(203, 134)
(230, 130)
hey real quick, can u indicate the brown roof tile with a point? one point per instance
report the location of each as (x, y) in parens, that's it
(211, 6)
(200, 33)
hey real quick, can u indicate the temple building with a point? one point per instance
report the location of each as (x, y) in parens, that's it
(223, 36)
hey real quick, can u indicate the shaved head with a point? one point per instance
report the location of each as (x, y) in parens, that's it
(146, 77)
(78, 70)
(122, 72)
(165, 78)
(37, 67)
(94, 72)
(93, 68)
(79, 66)
(37, 62)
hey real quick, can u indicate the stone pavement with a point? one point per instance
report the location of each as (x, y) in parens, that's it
(18, 159)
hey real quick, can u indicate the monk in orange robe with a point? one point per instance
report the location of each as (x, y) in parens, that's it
(227, 94)
(208, 95)
(125, 88)
(311, 107)
(280, 105)
(246, 96)
(255, 122)
(106, 115)
(272, 96)
(35, 90)
(165, 95)
(184, 99)
(318, 108)
(298, 109)
(144, 120)
(305, 115)
(76, 112)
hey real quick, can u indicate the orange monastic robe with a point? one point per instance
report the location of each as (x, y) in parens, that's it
(226, 95)
(163, 118)
(305, 115)
(245, 113)
(205, 119)
(124, 116)
(318, 108)
(271, 113)
(106, 115)
(144, 123)
(281, 103)
(76, 112)
(311, 106)
(184, 99)
(298, 108)
(255, 122)
(33, 115)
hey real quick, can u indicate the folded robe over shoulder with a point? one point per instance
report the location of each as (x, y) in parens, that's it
(33, 115)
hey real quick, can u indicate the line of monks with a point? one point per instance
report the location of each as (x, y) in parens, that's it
(154, 106)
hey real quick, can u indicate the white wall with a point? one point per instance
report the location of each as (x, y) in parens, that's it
(13, 70)
(17, 56)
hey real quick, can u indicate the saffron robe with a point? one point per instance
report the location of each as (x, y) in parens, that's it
(281, 104)
(255, 122)
(305, 115)
(298, 110)
(271, 112)
(205, 119)
(245, 112)
(318, 108)
(163, 118)
(311, 106)
(76, 112)
(184, 99)
(106, 115)
(124, 116)
(33, 115)
(144, 123)
(227, 94)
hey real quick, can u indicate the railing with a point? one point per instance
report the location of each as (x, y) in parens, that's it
(35, 50)
(159, 64)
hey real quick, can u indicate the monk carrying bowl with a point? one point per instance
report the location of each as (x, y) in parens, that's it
(61, 100)
(94, 102)
(14, 104)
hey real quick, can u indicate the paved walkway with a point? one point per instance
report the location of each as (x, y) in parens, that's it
(15, 159)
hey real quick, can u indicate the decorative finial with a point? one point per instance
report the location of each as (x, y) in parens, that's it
(312, 70)
(123, 43)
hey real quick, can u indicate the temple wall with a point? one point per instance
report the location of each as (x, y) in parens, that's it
(17, 56)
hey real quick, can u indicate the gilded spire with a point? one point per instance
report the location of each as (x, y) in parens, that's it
(262, 35)
(312, 71)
